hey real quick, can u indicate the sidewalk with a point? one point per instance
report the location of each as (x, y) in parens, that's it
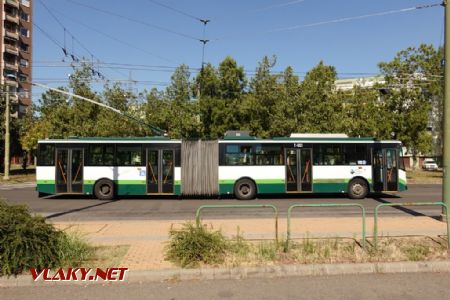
(147, 238)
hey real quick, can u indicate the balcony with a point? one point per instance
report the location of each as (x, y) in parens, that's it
(13, 3)
(12, 34)
(11, 66)
(12, 18)
(11, 82)
(11, 50)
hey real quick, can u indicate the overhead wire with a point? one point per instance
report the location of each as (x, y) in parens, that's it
(384, 13)
(135, 20)
(278, 5)
(176, 10)
(165, 68)
(339, 20)
(115, 39)
(66, 30)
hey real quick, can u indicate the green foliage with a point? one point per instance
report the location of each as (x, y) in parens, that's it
(192, 245)
(268, 104)
(27, 241)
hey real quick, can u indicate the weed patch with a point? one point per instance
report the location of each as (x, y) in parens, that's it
(27, 241)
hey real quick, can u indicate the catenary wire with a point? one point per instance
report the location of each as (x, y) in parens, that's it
(167, 30)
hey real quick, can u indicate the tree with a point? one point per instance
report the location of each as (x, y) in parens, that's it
(320, 111)
(232, 79)
(84, 114)
(284, 120)
(184, 113)
(260, 103)
(364, 113)
(414, 88)
(116, 97)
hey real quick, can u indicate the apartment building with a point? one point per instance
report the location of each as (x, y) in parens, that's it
(16, 52)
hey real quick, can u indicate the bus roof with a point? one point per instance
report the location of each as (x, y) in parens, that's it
(87, 140)
(282, 140)
(275, 140)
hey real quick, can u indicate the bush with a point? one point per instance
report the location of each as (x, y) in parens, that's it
(194, 244)
(27, 241)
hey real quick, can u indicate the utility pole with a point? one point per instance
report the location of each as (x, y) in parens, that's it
(7, 135)
(446, 121)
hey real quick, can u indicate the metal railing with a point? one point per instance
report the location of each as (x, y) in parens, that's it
(199, 210)
(375, 221)
(363, 214)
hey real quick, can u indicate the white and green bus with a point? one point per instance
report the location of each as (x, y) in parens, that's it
(238, 165)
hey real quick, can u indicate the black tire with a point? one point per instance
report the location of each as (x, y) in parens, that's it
(358, 189)
(245, 189)
(104, 189)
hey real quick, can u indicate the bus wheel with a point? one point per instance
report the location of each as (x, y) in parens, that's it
(104, 189)
(358, 189)
(245, 189)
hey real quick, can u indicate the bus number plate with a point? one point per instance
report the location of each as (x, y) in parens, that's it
(298, 145)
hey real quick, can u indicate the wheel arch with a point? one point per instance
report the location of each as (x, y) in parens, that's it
(103, 178)
(359, 177)
(246, 177)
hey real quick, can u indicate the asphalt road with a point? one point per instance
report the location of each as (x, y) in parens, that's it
(368, 287)
(71, 208)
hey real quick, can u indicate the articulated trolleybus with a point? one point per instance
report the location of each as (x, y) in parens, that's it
(239, 165)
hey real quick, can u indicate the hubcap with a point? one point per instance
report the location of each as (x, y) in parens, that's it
(105, 189)
(245, 189)
(357, 189)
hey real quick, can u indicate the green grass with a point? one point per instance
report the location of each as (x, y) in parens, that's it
(192, 245)
(422, 176)
(195, 246)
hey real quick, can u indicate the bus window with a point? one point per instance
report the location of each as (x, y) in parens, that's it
(129, 156)
(355, 154)
(95, 155)
(46, 156)
(268, 155)
(101, 155)
(328, 155)
(238, 155)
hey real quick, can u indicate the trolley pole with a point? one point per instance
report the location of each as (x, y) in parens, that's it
(446, 121)
(7, 134)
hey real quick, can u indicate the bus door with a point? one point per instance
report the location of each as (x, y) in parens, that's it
(299, 170)
(69, 171)
(385, 170)
(160, 171)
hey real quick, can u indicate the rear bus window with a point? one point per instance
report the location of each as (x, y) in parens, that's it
(46, 156)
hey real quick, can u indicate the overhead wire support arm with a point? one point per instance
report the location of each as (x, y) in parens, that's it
(154, 129)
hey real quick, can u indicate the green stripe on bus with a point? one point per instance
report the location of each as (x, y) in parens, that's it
(46, 188)
(118, 181)
(334, 180)
(330, 187)
(45, 181)
(258, 181)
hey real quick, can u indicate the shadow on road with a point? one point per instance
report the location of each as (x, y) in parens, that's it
(409, 211)
(77, 209)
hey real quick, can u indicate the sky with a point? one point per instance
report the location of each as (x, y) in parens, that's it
(146, 39)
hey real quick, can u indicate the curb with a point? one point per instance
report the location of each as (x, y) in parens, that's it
(253, 272)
